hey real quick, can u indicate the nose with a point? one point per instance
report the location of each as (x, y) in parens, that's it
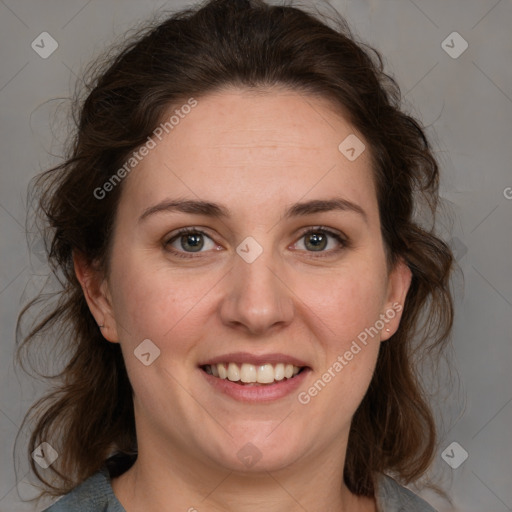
(257, 298)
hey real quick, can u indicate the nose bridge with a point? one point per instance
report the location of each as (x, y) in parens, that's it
(256, 297)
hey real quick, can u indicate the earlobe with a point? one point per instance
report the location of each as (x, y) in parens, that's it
(398, 286)
(97, 295)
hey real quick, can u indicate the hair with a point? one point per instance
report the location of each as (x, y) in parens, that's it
(88, 415)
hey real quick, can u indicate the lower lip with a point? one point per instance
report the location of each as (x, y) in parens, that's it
(257, 393)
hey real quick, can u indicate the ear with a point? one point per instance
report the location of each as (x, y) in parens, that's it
(399, 282)
(97, 294)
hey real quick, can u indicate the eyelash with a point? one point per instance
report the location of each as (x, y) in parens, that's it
(344, 242)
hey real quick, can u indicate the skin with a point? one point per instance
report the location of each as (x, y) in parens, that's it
(255, 153)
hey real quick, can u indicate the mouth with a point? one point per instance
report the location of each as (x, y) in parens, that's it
(247, 374)
(254, 378)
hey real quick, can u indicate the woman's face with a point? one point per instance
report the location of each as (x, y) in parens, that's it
(288, 267)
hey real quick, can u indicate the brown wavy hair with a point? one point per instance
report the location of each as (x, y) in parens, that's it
(88, 415)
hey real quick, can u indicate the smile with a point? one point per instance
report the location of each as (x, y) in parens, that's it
(247, 374)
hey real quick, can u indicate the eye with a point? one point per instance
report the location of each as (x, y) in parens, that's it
(189, 240)
(318, 240)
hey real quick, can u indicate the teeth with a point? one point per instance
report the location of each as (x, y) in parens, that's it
(249, 373)
(265, 374)
(221, 369)
(279, 371)
(233, 372)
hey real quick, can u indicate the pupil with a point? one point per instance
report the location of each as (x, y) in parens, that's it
(194, 241)
(317, 240)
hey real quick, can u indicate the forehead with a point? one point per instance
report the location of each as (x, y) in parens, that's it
(247, 147)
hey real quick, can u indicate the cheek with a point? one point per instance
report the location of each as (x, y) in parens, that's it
(345, 303)
(156, 303)
(344, 319)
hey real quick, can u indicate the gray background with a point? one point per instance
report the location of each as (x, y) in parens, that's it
(466, 102)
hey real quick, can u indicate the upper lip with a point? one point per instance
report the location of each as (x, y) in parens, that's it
(246, 357)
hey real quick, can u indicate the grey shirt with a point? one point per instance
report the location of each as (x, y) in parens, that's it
(96, 495)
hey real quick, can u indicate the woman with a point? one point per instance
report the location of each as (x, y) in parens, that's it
(246, 291)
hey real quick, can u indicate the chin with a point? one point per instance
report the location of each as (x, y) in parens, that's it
(260, 451)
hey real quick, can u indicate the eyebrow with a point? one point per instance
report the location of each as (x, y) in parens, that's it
(215, 210)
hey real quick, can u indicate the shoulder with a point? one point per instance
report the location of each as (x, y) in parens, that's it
(393, 497)
(93, 495)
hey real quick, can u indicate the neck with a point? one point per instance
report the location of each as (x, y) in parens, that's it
(162, 482)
